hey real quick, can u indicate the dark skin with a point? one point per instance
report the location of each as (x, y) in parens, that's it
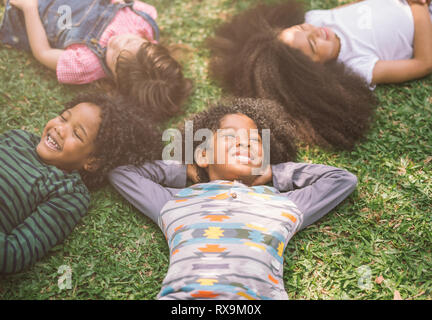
(67, 141)
(240, 154)
(322, 45)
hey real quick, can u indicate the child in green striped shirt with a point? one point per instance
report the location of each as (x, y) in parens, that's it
(45, 181)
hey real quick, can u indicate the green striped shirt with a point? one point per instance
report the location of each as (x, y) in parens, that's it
(39, 203)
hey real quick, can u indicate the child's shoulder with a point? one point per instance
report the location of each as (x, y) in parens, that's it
(20, 137)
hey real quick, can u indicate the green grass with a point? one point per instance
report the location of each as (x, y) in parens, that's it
(384, 227)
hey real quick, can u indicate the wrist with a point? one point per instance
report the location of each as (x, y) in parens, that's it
(29, 9)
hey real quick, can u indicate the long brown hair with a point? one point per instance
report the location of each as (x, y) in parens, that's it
(154, 80)
(330, 104)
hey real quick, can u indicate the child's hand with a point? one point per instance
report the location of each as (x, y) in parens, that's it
(265, 178)
(192, 173)
(25, 4)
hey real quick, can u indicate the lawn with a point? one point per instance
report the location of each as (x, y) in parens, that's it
(375, 245)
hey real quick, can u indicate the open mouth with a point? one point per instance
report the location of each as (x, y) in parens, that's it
(243, 157)
(52, 143)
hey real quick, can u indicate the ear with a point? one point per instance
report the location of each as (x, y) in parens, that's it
(201, 158)
(92, 164)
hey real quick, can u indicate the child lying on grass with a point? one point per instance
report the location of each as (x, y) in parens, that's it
(44, 180)
(320, 64)
(88, 40)
(227, 234)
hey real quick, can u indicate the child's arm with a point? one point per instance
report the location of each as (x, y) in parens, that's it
(421, 63)
(150, 186)
(46, 227)
(36, 34)
(315, 189)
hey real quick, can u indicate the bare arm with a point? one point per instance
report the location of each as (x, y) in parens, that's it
(36, 34)
(421, 64)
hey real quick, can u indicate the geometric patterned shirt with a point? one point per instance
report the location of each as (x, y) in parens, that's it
(223, 247)
(226, 239)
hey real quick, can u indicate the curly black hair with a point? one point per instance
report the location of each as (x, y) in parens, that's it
(266, 114)
(330, 104)
(125, 136)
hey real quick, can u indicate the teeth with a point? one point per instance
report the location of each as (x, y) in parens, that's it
(53, 143)
(243, 159)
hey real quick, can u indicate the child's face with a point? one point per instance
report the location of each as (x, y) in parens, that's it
(122, 44)
(68, 140)
(239, 146)
(318, 43)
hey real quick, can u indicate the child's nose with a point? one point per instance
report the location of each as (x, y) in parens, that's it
(60, 130)
(243, 141)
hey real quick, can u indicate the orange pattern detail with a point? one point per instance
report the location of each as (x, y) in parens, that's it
(273, 279)
(245, 295)
(212, 248)
(179, 227)
(218, 217)
(221, 196)
(204, 294)
(289, 216)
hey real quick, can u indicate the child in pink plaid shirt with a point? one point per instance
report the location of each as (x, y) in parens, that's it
(125, 49)
(79, 65)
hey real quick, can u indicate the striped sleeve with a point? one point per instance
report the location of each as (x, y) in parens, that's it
(46, 227)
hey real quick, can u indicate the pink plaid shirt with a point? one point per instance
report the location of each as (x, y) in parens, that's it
(79, 65)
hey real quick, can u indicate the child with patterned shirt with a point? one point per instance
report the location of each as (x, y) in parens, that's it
(88, 40)
(44, 180)
(227, 234)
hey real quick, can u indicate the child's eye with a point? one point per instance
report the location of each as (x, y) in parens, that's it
(312, 44)
(62, 118)
(229, 135)
(77, 135)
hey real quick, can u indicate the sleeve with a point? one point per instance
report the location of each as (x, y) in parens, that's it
(364, 66)
(79, 65)
(46, 227)
(149, 187)
(315, 189)
(316, 17)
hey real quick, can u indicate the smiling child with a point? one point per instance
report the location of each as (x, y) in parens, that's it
(44, 180)
(227, 233)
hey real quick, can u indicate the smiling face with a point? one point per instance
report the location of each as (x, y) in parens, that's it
(124, 44)
(237, 149)
(318, 43)
(68, 140)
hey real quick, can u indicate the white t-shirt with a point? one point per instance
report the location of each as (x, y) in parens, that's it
(369, 31)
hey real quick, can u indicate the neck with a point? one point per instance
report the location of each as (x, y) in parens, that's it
(338, 46)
